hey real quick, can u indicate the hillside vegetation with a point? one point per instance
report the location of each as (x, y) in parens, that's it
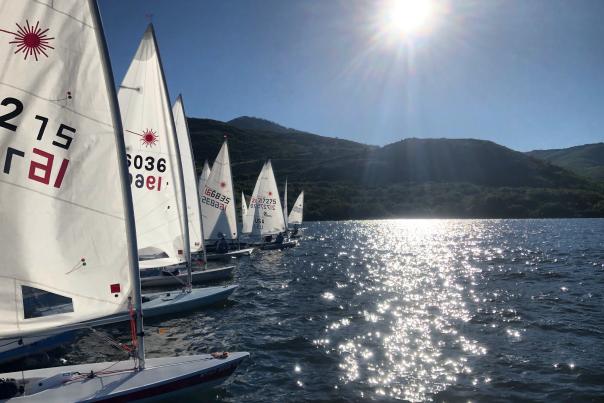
(343, 179)
(586, 160)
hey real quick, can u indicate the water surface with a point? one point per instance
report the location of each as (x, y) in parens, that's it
(417, 310)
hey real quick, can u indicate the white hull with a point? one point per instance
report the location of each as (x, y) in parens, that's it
(198, 277)
(166, 303)
(162, 378)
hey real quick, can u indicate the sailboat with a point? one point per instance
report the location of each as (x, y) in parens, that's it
(67, 178)
(218, 206)
(285, 204)
(264, 215)
(295, 215)
(243, 207)
(157, 181)
(203, 177)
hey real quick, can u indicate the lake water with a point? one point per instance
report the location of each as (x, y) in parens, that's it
(417, 310)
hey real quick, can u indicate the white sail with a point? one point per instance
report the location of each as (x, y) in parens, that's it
(295, 216)
(218, 200)
(203, 177)
(265, 215)
(151, 153)
(63, 236)
(189, 175)
(243, 207)
(285, 203)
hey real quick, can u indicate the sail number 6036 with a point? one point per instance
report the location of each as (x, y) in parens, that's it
(148, 163)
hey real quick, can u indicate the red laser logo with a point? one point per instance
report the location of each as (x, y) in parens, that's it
(149, 138)
(30, 40)
(222, 184)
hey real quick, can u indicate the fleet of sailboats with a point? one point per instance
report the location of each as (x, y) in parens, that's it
(109, 182)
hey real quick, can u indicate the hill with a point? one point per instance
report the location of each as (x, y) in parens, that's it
(343, 179)
(586, 160)
(251, 123)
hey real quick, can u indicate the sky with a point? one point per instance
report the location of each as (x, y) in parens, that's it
(524, 74)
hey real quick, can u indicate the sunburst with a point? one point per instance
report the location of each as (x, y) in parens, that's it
(149, 138)
(31, 40)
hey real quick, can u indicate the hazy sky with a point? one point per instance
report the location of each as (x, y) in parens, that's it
(523, 73)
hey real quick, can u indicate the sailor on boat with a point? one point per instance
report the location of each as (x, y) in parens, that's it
(279, 238)
(221, 245)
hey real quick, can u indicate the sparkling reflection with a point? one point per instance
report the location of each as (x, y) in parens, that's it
(412, 291)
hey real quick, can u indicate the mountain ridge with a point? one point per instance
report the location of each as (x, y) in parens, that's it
(413, 177)
(586, 159)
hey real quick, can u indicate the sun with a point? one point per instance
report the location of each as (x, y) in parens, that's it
(407, 17)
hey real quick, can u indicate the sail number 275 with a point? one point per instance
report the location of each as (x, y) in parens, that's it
(149, 164)
(41, 162)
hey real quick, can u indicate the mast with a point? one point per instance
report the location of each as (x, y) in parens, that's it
(181, 181)
(125, 183)
(203, 246)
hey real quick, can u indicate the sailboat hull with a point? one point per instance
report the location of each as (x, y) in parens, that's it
(17, 349)
(198, 277)
(158, 304)
(176, 302)
(229, 255)
(162, 378)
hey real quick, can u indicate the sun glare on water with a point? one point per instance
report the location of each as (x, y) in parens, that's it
(407, 17)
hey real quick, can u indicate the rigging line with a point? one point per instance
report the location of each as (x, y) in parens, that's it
(176, 277)
(113, 342)
(64, 13)
(9, 343)
(54, 101)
